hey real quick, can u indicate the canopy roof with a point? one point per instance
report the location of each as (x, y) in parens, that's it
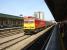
(58, 8)
(9, 16)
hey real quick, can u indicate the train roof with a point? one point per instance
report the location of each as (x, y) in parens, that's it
(9, 16)
(31, 17)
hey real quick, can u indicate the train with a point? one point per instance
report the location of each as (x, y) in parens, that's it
(32, 25)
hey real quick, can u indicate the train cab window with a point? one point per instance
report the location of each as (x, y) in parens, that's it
(25, 21)
(28, 21)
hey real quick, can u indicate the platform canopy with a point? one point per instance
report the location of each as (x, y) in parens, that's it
(58, 8)
(10, 16)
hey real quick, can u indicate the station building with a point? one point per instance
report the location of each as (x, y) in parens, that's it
(10, 21)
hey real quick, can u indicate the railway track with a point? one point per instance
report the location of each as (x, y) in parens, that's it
(24, 44)
(18, 41)
(11, 36)
(6, 32)
(9, 43)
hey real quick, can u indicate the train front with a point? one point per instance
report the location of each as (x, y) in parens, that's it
(29, 24)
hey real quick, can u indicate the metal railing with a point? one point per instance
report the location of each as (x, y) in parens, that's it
(54, 42)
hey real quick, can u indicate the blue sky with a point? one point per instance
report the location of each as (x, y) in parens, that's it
(25, 7)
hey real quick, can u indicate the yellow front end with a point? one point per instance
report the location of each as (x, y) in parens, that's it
(29, 26)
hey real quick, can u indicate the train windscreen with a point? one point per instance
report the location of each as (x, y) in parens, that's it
(28, 21)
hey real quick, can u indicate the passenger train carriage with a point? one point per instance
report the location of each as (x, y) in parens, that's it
(32, 24)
